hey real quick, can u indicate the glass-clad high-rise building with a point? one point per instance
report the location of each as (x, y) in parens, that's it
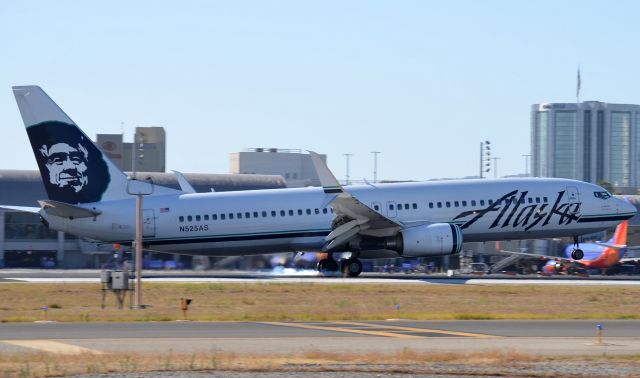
(589, 141)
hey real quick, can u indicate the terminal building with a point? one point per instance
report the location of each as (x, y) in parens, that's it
(590, 141)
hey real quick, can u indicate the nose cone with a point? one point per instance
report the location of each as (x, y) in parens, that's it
(626, 206)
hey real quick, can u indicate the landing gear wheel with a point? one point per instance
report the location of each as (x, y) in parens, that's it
(577, 254)
(351, 267)
(327, 266)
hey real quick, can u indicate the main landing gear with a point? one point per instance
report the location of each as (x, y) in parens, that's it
(577, 253)
(351, 267)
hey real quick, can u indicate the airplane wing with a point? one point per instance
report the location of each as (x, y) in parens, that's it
(353, 217)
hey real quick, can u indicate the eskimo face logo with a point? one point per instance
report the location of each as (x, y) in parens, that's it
(72, 168)
(67, 165)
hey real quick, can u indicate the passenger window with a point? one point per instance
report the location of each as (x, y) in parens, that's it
(456, 203)
(197, 218)
(282, 213)
(490, 202)
(239, 215)
(290, 212)
(390, 206)
(273, 213)
(189, 218)
(317, 211)
(214, 216)
(308, 211)
(247, 215)
(439, 205)
(530, 200)
(464, 203)
(299, 211)
(415, 206)
(264, 214)
(206, 217)
(431, 205)
(399, 206)
(181, 218)
(537, 199)
(406, 206)
(230, 215)
(545, 199)
(222, 217)
(376, 207)
(255, 214)
(448, 204)
(473, 202)
(481, 202)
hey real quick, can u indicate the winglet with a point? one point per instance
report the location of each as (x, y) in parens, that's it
(328, 181)
(185, 186)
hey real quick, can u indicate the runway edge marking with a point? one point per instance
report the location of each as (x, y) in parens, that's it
(51, 346)
(425, 330)
(346, 330)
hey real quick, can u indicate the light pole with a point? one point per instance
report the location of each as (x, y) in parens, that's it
(347, 156)
(485, 157)
(375, 165)
(495, 166)
(526, 164)
(138, 190)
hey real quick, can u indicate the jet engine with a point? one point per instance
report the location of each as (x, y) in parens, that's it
(430, 240)
(427, 240)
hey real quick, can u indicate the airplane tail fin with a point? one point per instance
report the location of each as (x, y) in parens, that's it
(620, 235)
(73, 169)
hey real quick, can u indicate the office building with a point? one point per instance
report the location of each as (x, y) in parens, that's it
(591, 141)
(146, 154)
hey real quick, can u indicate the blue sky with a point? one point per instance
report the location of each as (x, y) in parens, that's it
(421, 81)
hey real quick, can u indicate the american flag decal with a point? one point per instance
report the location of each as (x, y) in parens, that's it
(164, 209)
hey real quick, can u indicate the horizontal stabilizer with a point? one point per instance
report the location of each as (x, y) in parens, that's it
(65, 210)
(22, 209)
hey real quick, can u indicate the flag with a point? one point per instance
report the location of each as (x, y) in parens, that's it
(578, 84)
(164, 209)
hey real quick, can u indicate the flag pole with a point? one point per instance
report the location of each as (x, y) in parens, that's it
(578, 84)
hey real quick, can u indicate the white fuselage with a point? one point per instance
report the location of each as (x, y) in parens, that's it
(286, 220)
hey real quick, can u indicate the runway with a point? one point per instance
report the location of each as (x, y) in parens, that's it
(292, 276)
(538, 337)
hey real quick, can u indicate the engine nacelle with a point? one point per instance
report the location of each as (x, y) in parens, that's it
(431, 240)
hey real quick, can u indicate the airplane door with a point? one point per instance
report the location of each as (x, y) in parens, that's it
(572, 194)
(148, 223)
(391, 209)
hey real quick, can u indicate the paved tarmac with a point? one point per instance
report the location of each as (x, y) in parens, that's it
(307, 276)
(538, 337)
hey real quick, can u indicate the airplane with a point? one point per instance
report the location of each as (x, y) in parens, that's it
(90, 197)
(601, 256)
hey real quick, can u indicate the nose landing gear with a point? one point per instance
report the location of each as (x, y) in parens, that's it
(577, 253)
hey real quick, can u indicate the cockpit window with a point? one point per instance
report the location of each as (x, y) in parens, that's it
(602, 195)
